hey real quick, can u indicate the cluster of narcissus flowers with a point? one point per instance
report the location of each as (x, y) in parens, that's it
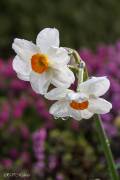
(46, 64)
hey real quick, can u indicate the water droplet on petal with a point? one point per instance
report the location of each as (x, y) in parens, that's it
(64, 119)
(56, 117)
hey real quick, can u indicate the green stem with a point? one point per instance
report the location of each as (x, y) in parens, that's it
(106, 148)
(102, 136)
(76, 56)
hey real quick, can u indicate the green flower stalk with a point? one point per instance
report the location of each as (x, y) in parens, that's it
(106, 148)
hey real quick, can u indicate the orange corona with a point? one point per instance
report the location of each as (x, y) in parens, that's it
(79, 106)
(39, 63)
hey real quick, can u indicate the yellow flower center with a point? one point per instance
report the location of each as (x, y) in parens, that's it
(79, 106)
(39, 63)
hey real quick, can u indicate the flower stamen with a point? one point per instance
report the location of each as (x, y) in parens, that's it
(39, 63)
(79, 106)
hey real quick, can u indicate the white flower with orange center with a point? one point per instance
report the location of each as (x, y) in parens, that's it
(44, 63)
(82, 104)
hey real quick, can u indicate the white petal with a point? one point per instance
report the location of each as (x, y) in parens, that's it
(58, 56)
(75, 114)
(60, 109)
(85, 114)
(96, 86)
(80, 97)
(99, 106)
(47, 38)
(22, 68)
(24, 49)
(23, 77)
(63, 77)
(57, 93)
(40, 82)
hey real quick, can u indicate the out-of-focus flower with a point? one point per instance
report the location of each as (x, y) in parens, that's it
(75, 125)
(42, 109)
(4, 113)
(59, 176)
(13, 153)
(82, 104)
(38, 147)
(44, 63)
(107, 117)
(110, 129)
(25, 157)
(7, 163)
(52, 162)
(39, 135)
(25, 132)
(17, 85)
(19, 107)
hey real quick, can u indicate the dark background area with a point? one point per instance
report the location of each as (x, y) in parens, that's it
(81, 23)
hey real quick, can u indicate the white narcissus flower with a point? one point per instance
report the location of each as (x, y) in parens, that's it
(44, 63)
(82, 104)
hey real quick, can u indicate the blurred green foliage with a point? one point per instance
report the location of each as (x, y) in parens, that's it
(78, 158)
(81, 23)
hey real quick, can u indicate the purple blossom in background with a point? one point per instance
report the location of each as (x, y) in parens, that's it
(7, 163)
(41, 109)
(75, 125)
(19, 107)
(59, 177)
(39, 138)
(107, 117)
(52, 162)
(110, 129)
(25, 158)
(25, 132)
(4, 113)
(17, 85)
(13, 153)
